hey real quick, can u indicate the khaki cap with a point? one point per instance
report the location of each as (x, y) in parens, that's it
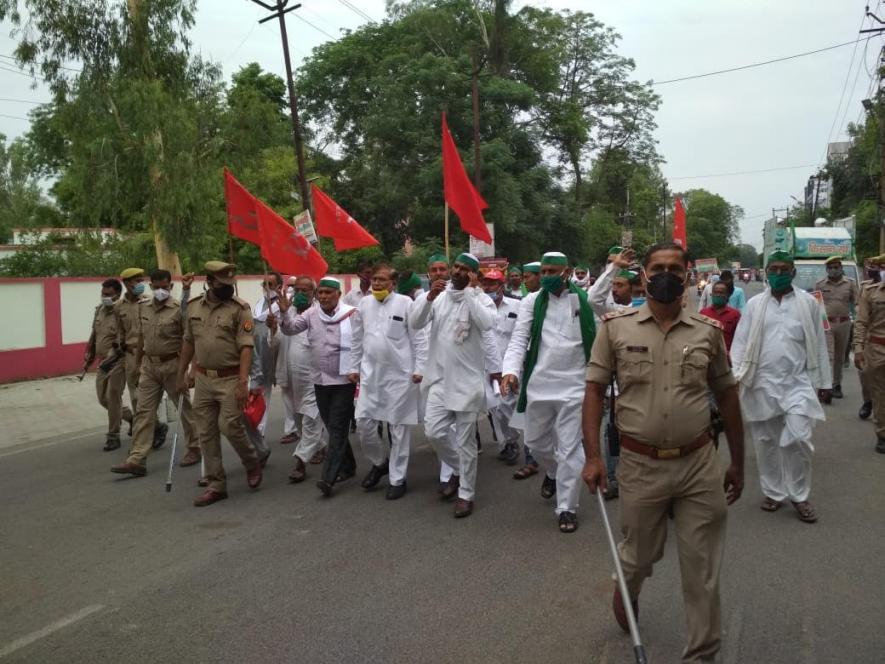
(131, 272)
(222, 271)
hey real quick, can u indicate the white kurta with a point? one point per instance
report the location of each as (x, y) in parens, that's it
(388, 354)
(781, 384)
(293, 371)
(355, 296)
(458, 367)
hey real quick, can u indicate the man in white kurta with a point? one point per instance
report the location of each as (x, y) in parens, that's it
(265, 307)
(554, 393)
(293, 374)
(780, 358)
(500, 407)
(454, 377)
(388, 359)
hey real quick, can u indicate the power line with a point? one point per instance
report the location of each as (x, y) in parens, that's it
(15, 64)
(14, 117)
(24, 101)
(21, 73)
(761, 170)
(318, 29)
(356, 10)
(756, 64)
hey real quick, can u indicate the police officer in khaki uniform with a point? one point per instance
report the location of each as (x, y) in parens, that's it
(218, 336)
(162, 330)
(869, 350)
(105, 344)
(871, 268)
(666, 360)
(129, 312)
(839, 295)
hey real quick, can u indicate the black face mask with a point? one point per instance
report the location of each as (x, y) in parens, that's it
(665, 287)
(223, 292)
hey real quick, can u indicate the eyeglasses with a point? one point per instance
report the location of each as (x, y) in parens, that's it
(779, 270)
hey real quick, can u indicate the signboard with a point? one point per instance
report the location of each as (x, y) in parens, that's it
(479, 248)
(822, 247)
(706, 265)
(304, 225)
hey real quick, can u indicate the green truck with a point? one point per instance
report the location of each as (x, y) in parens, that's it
(811, 247)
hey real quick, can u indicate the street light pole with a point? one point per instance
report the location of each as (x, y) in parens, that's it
(280, 10)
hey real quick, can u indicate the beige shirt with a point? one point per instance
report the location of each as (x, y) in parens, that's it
(128, 312)
(162, 327)
(106, 328)
(663, 378)
(837, 295)
(218, 331)
(870, 315)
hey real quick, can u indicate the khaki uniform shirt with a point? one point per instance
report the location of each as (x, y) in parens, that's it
(218, 331)
(663, 378)
(162, 327)
(870, 315)
(128, 313)
(106, 328)
(837, 295)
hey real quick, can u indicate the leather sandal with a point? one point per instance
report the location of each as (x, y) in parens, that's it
(805, 511)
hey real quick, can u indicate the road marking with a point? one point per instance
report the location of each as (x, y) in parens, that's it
(29, 448)
(27, 640)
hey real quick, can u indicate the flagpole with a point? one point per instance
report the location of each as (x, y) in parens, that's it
(447, 230)
(230, 250)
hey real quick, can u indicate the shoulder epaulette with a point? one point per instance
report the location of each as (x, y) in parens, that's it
(627, 311)
(706, 319)
(195, 298)
(242, 303)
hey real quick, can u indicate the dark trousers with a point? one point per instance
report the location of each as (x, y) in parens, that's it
(335, 403)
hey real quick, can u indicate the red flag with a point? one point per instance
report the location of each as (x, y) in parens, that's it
(333, 221)
(284, 248)
(679, 236)
(242, 219)
(460, 193)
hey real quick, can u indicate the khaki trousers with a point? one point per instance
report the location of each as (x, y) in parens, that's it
(156, 378)
(132, 379)
(865, 391)
(838, 337)
(693, 486)
(215, 412)
(874, 374)
(109, 389)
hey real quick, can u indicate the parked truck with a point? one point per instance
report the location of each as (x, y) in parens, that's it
(810, 247)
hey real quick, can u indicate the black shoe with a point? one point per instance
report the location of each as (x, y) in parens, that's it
(396, 492)
(325, 488)
(548, 487)
(837, 392)
(374, 476)
(111, 444)
(511, 454)
(865, 410)
(160, 432)
(611, 491)
(262, 459)
(880, 446)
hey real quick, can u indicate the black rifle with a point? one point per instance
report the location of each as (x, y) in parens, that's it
(113, 359)
(611, 429)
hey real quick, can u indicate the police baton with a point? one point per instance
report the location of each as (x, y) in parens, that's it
(638, 648)
(174, 444)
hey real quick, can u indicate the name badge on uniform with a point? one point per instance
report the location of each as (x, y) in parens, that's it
(637, 349)
(511, 315)
(398, 318)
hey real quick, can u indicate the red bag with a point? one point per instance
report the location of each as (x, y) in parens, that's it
(254, 410)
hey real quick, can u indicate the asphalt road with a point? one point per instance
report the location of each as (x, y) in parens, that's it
(99, 568)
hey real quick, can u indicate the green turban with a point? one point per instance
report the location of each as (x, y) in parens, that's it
(780, 256)
(469, 260)
(532, 267)
(554, 258)
(437, 258)
(407, 285)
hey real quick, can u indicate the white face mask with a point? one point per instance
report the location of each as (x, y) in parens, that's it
(108, 301)
(290, 292)
(161, 294)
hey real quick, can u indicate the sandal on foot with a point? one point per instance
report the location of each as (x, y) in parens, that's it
(526, 471)
(568, 522)
(770, 505)
(806, 511)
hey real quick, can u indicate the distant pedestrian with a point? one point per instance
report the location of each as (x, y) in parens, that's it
(364, 288)
(840, 299)
(720, 311)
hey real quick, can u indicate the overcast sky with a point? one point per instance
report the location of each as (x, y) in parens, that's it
(776, 116)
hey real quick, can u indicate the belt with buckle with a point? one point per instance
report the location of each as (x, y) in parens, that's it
(876, 340)
(664, 452)
(218, 373)
(163, 358)
(838, 319)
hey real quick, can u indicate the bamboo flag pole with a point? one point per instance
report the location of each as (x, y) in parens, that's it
(447, 231)
(230, 249)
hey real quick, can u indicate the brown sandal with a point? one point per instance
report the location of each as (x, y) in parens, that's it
(319, 457)
(526, 471)
(770, 505)
(805, 511)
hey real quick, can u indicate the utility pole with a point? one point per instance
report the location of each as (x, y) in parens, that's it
(280, 9)
(477, 155)
(880, 118)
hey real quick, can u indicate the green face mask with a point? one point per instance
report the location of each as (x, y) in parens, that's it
(300, 301)
(719, 300)
(780, 282)
(552, 283)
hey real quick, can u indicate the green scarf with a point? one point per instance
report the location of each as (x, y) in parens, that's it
(588, 333)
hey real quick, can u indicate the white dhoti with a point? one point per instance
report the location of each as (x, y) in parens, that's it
(452, 435)
(553, 433)
(783, 455)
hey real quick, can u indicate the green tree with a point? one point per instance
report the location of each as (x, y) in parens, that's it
(711, 225)
(22, 203)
